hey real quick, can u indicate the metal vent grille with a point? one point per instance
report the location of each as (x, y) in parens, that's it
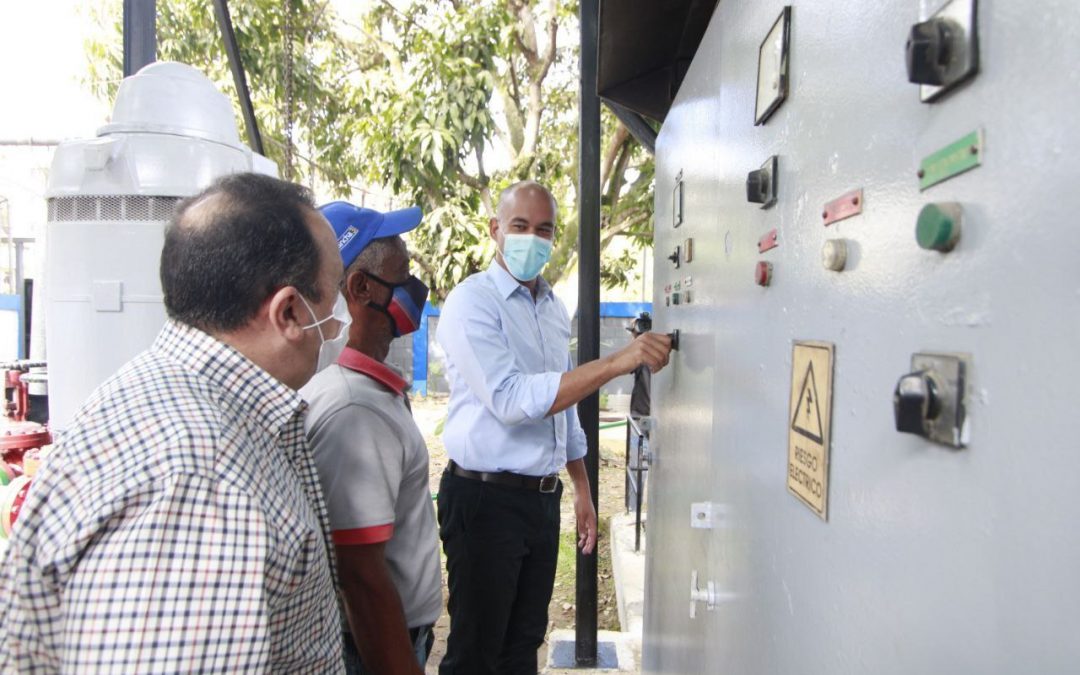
(111, 208)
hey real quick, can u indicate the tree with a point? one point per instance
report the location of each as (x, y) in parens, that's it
(187, 31)
(445, 102)
(475, 96)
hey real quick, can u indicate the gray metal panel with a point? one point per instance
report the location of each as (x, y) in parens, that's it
(932, 560)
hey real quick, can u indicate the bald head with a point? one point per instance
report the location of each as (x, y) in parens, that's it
(234, 244)
(525, 189)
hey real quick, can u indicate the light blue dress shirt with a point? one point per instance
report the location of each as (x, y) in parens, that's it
(506, 355)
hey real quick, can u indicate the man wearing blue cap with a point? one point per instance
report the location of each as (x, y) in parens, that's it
(371, 457)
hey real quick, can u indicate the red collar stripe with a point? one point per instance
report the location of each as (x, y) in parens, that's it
(362, 363)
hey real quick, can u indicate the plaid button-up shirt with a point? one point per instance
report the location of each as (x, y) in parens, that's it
(178, 527)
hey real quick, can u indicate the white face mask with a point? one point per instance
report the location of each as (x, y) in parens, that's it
(331, 348)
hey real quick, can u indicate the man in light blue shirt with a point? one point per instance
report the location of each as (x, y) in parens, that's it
(512, 427)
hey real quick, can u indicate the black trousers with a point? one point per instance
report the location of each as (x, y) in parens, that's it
(501, 545)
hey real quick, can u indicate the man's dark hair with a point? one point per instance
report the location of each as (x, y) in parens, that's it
(234, 244)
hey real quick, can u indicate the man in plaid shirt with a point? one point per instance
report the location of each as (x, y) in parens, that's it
(179, 526)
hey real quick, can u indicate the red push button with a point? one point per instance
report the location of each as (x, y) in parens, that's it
(763, 273)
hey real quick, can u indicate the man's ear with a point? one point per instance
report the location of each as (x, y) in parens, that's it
(493, 228)
(287, 314)
(358, 287)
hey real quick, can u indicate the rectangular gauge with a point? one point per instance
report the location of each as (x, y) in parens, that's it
(772, 75)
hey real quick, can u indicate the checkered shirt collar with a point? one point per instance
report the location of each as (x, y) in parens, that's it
(272, 404)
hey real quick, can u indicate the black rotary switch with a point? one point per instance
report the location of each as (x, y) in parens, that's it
(916, 403)
(757, 186)
(930, 49)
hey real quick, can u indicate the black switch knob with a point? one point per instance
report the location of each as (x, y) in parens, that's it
(757, 186)
(929, 51)
(916, 402)
(674, 257)
(674, 335)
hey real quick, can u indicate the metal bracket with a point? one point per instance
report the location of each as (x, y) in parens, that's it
(709, 595)
(950, 372)
(707, 515)
(677, 201)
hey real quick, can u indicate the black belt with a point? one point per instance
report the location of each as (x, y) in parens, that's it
(545, 484)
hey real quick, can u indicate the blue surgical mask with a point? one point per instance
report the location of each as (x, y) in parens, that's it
(525, 255)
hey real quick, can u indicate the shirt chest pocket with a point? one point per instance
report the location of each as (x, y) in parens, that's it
(556, 341)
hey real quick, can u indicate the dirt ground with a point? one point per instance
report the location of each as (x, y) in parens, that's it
(429, 414)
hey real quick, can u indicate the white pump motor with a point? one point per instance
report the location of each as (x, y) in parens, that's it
(172, 133)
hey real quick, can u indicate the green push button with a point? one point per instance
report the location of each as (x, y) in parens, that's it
(938, 227)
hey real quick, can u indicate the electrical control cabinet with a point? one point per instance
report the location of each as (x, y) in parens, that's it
(876, 383)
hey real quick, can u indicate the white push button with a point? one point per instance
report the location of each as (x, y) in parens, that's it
(834, 254)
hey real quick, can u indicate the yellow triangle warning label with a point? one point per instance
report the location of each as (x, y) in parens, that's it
(807, 417)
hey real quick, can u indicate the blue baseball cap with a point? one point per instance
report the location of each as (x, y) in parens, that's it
(355, 227)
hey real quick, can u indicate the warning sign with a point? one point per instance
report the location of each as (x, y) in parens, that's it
(809, 424)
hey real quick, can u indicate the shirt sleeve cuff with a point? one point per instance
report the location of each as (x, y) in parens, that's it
(363, 535)
(576, 446)
(541, 395)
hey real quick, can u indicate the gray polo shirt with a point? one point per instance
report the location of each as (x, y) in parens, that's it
(373, 465)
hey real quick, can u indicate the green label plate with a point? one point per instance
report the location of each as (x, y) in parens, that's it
(952, 160)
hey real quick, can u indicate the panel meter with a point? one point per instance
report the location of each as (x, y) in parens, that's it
(772, 72)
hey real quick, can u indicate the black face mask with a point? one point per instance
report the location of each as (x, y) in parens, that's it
(406, 304)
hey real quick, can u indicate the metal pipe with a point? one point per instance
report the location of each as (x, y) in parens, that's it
(140, 34)
(589, 310)
(228, 35)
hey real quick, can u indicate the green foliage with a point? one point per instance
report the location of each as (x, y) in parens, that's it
(187, 31)
(445, 102)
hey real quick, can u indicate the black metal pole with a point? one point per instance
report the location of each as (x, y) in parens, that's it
(228, 35)
(140, 34)
(588, 309)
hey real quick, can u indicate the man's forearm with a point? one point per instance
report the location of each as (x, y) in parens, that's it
(650, 349)
(579, 477)
(377, 621)
(578, 383)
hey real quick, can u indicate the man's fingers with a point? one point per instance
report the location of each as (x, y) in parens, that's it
(587, 540)
(586, 527)
(590, 544)
(660, 339)
(654, 354)
(587, 533)
(656, 360)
